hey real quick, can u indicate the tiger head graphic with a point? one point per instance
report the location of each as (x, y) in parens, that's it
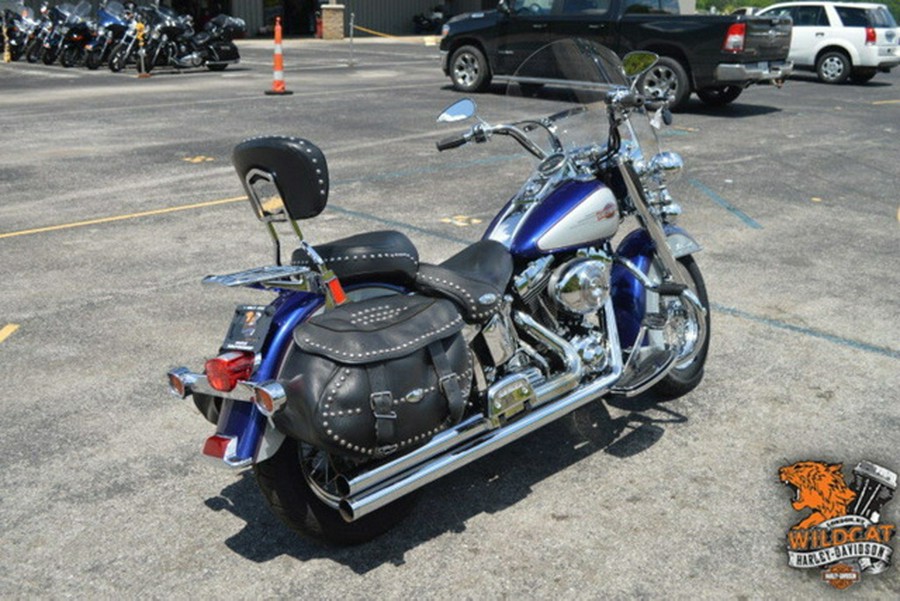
(817, 486)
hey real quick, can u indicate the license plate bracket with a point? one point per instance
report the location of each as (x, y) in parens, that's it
(248, 328)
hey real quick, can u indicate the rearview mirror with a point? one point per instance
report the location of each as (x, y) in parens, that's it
(458, 111)
(639, 62)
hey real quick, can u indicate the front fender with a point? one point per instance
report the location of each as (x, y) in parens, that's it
(628, 294)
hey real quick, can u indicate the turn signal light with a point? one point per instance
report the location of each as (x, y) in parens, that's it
(734, 39)
(269, 397)
(225, 371)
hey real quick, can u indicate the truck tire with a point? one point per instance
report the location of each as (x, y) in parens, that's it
(719, 96)
(667, 78)
(833, 67)
(469, 69)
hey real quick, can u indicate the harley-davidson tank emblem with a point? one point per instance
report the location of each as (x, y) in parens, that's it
(844, 534)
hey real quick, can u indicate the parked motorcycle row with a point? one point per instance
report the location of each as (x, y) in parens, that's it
(121, 36)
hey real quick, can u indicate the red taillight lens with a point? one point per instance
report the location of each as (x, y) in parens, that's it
(870, 35)
(226, 370)
(734, 39)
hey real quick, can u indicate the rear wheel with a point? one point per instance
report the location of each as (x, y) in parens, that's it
(216, 66)
(469, 70)
(692, 330)
(298, 483)
(719, 96)
(833, 67)
(667, 79)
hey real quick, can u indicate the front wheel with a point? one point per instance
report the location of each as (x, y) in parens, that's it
(469, 70)
(68, 58)
(693, 332)
(667, 79)
(287, 479)
(118, 58)
(93, 60)
(719, 96)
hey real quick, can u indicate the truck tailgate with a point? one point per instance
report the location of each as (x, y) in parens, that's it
(767, 38)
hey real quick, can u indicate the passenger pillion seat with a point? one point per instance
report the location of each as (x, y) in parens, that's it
(474, 278)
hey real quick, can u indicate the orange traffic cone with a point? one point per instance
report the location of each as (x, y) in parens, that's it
(278, 88)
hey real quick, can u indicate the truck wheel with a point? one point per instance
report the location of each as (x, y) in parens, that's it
(667, 78)
(719, 96)
(833, 67)
(469, 70)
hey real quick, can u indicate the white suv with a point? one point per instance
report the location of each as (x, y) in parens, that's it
(841, 39)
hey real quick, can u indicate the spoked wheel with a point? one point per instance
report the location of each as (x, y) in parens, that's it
(690, 331)
(118, 58)
(69, 57)
(33, 52)
(299, 484)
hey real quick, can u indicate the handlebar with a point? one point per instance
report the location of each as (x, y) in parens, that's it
(452, 142)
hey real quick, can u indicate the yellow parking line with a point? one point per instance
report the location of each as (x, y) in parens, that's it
(8, 330)
(66, 226)
(886, 102)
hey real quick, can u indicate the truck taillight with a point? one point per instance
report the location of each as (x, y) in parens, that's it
(870, 36)
(225, 371)
(734, 39)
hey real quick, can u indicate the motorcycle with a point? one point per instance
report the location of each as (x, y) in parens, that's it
(371, 374)
(126, 50)
(112, 22)
(34, 47)
(173, 42)
(16, 23)
(76, 34)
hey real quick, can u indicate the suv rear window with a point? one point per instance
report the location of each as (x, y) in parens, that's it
(852, 17)
(882, 18)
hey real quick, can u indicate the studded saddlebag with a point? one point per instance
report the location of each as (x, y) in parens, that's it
(370, 378)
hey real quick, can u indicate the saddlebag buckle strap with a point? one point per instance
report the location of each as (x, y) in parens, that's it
(448, 380)
(382, 404)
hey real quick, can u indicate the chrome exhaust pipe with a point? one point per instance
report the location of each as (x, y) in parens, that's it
(376, 493)
(476, 425)
(355, 507)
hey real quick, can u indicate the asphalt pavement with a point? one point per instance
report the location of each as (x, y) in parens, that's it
(118, 197)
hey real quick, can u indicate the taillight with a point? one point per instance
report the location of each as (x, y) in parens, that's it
(225, 371)
(734, 39)
(870, 36)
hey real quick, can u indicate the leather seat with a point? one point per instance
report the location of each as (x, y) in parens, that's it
(386, 256)
(474, 279)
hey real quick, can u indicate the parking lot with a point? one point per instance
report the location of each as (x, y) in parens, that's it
(118, 197)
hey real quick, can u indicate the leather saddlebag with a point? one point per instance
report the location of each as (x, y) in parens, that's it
(371, 378)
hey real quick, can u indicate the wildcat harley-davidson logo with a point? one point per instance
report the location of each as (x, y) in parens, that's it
(844, 535)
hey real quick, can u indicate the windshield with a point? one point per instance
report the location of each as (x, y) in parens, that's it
(567, 81)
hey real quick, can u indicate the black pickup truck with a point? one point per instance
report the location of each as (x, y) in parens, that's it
(716, 56)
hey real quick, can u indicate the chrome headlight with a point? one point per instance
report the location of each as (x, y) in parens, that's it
(669, 164)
